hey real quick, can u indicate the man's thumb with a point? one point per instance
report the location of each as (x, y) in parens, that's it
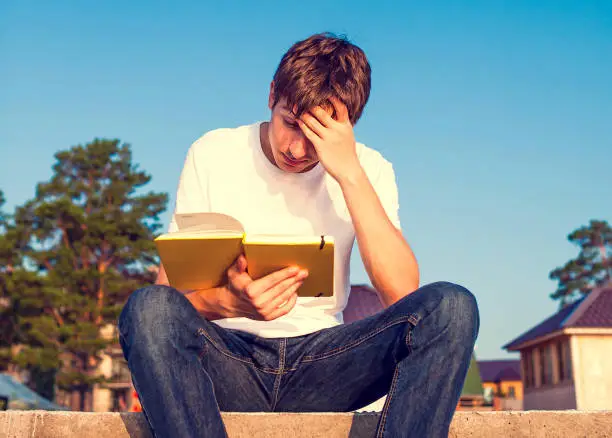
(241, 264)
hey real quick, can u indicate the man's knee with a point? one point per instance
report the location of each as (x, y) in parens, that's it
(149, 310)
(450, 307)
(460, 306)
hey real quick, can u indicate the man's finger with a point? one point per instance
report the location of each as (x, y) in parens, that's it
(341, 109)
(310, 135)
(322, 116)
(274, 278)
(238, 278)
(284, 295)
(238, 267)
(277, 290)
(241, 263)
(314, 124)
(286, 308)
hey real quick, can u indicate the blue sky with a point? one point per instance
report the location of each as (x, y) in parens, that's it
(497, 116)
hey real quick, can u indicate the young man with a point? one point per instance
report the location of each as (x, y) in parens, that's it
(252, 344)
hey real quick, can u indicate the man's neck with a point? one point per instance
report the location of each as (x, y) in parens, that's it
(264, 142)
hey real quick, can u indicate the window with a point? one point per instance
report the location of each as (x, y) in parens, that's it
(560, 365)
(567, 360)
(119, 400)
(546, 364)
(528, 368)
(511, 392)
(564, 360)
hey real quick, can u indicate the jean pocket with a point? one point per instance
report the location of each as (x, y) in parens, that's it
(211, 342)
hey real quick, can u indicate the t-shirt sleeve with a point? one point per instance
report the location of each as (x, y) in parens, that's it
(192, 192)
(386, 187)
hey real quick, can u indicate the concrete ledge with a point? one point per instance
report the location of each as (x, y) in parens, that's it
(43, 424)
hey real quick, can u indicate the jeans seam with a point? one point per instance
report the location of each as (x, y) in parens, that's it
(202, 332)
(202, 351)
(282, 352)
(223, 351)
(411, 319)
(409, 341)
(385, 411)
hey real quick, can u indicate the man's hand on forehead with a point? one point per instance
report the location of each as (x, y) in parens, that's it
(327, 106)
(333, 139)
(333, 109)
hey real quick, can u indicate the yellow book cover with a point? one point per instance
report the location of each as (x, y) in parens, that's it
(206, 244)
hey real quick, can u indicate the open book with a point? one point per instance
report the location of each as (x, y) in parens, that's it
(198, 255)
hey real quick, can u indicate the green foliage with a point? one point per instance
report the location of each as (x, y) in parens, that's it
(77, 250)
(593, 266)
(9, 258)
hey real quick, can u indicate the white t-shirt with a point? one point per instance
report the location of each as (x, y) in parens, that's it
(227, 172)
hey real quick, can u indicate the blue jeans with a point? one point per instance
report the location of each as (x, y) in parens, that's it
(187, 369)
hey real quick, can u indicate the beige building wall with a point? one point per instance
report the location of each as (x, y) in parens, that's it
(554, 397)
(102, 397)
(592, 360)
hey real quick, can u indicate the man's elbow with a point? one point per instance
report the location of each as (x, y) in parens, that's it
(408, 283)
(393, 292)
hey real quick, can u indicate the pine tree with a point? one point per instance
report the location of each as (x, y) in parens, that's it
(593, 266)
(8, 319)
(88, 236)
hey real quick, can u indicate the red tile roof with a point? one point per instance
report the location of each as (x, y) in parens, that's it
(597, 313)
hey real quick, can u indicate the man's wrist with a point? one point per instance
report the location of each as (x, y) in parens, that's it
(208, 303)
(353, 178)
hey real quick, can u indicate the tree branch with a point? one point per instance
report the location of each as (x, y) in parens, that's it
(66, 240)
(58, 318)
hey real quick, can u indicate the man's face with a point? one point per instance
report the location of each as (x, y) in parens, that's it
(291, 150)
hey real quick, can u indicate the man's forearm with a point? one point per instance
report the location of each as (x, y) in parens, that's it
(207, 302)
(386, 255)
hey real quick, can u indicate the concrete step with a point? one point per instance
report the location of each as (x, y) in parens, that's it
(43, 424)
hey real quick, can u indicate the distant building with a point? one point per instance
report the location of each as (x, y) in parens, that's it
(566, 360)
(472, 394)
(117, 393)
(502, 383)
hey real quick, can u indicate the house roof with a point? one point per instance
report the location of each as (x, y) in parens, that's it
(499, 370)
(592, 310)
(22, 397)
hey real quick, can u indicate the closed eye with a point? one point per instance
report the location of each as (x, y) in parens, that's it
(291, 124)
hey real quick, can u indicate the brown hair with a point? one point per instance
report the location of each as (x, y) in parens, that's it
(322, 66)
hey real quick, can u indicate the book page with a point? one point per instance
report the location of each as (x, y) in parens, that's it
(210, 222)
